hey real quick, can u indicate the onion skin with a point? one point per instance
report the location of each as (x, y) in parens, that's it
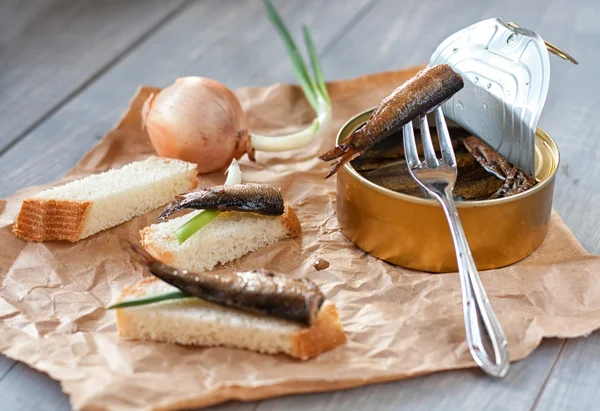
(198, 120)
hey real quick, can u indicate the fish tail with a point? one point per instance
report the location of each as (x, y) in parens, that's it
(335, 152)
(164, 215)
(343, 148)
(349, 155)
(170, 208)
(141, 255)
(344, 152)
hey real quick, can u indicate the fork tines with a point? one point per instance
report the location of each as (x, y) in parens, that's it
(431, 160)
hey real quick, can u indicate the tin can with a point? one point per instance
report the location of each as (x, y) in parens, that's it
(413, 232)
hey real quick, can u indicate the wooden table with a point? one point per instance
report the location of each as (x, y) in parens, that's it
(69, 67)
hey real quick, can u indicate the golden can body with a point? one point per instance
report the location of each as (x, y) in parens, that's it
(413, 232)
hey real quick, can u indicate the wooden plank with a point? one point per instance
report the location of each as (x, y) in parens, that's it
(458, 390)
(50, 49)
(398, 50)
(242, 49)
(573, 384)
(5, 366)
(26, 389)
(568, 116)
(190, 44)
(422, 23)
(44, 60)
(572, 120)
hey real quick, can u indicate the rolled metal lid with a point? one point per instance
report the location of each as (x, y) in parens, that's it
(506, 70)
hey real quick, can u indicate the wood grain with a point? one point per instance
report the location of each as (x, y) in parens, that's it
(26, 389)
(569, 116)
(459, 390)
(49, 49)
(242, 49)
(190, 44)
(5, 366)
(575, 379)
(365, 37)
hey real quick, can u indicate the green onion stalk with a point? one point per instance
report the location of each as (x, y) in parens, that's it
(234, 176)
(314, 89)
(175, 295)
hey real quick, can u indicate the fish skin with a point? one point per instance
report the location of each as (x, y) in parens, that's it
(390, 151)
(258, 291)
(515, 181)
(483, 174)
(474, 182)
(257, 198)
(487, 157)
(419, 95)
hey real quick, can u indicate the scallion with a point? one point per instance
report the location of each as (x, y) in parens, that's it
(234, 176)
(149, 300)
(314, 90)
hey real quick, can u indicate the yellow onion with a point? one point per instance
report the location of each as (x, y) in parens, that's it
(198, 120)
(201, 120)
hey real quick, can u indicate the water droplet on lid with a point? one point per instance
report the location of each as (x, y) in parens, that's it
(476, 79)
(459, 105)
(455, 49)
(489, 85)
(485, 106)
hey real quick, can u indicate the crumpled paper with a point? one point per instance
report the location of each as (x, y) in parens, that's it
(400, 323)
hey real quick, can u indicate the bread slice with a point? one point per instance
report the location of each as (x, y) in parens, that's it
(192, 321)
(84, 207)
(227, 237)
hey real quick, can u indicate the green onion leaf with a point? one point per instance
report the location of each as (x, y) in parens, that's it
(194, 224)
(314, 90)
(234, 176)
(316, 66)
(149, 300)
(300, 68)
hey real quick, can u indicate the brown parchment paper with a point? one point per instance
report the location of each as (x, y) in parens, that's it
(400, 323)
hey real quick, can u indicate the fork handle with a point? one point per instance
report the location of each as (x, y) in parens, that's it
(477, 309)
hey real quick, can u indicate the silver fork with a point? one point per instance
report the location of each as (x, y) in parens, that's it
(438, 176)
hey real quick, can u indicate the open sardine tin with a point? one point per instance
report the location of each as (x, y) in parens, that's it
(506, 73)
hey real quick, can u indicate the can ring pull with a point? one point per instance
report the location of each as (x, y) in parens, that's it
(551, 47)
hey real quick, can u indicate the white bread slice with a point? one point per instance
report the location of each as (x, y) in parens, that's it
(84, 207)
(227, 237)
(196, 322)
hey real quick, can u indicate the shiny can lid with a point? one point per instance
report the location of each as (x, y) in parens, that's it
(506, 70)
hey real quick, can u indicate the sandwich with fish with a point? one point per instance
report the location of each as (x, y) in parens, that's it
(255, 310)
(227, 222)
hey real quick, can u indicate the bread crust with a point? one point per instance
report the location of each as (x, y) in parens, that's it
(325, 335)
(46, 219)
(162, 255)
(291, 222)
(137, 290)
